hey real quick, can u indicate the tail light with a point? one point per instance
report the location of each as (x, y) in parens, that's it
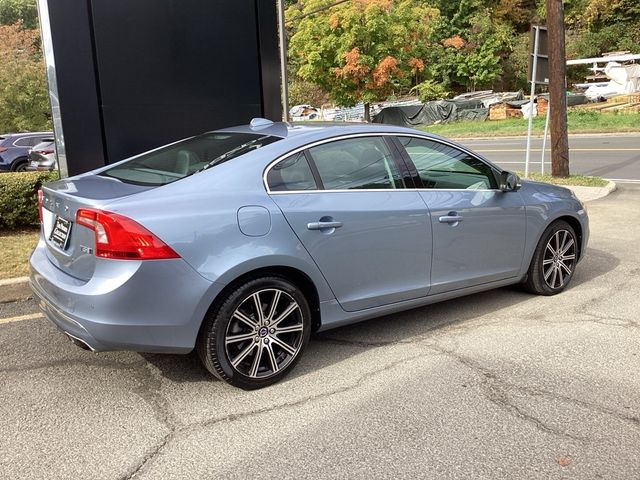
(40, 205)
(43, 152)
(119, 237)
(3, 149)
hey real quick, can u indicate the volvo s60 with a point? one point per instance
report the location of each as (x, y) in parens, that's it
(239, 243)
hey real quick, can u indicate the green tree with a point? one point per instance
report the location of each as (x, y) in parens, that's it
(24, 104)
(361, 50)
(23, 11)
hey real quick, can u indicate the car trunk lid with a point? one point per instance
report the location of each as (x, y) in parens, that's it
(70, 246)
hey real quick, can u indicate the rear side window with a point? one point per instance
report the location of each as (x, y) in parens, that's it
(356, 163)
(173, 162)
(444, 167)
(291, 174)
(24, 142)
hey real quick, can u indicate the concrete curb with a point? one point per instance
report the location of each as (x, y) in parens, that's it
(16, 289)
(589, 194)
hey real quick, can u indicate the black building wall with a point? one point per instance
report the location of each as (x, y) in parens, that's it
(135, 74)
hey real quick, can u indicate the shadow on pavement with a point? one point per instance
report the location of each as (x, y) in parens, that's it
(391, 328)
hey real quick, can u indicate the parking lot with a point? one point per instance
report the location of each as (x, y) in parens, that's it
(495, 385)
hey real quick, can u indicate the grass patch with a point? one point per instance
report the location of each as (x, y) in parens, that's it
(572, 180)
(15, 248)
(578, 122)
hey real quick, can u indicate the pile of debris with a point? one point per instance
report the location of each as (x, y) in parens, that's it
(468, 106)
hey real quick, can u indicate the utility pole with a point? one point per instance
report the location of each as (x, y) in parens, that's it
(557, 89)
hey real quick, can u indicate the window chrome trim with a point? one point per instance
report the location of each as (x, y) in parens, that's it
(373, 134)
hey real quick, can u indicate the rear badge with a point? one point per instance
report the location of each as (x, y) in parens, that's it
(84, 249)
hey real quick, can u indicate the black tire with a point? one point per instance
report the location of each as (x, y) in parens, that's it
(551, 269)
(235, 316)
(19, 166)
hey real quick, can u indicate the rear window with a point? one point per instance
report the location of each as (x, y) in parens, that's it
(168, 164)
(44, 144)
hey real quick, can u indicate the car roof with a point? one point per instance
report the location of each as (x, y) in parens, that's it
(313, 131)
(25, 134)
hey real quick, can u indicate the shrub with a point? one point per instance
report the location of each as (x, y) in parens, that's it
(19, 197)
(430, 90)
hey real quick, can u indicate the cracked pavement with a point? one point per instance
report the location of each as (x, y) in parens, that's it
(500, 384)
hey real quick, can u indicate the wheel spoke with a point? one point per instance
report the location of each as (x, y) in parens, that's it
(548, 272)
(550, 248)
(554, 276)
(243, 355)
(557, 238)
(290, 309)
(286, 347)
(256, 362)
(547, 262)
(272, 357)
(566, 247)
(566, 269)
(239, 338)
(569, 257)
(560, 277)
(290, 329)
(243, 318)
(258, 306)
(564, 241)
(274, 305)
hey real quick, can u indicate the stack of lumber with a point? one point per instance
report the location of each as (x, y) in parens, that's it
(629, 103)
(502, 111)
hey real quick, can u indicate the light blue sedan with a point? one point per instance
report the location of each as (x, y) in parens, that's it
(241, 242)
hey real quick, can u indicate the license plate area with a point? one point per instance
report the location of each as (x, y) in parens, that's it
(61, 233)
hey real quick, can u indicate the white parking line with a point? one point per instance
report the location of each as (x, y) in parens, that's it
(624, 180)
(21, 318)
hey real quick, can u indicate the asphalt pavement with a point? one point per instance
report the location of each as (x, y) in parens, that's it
(615, 157)
(498, 385)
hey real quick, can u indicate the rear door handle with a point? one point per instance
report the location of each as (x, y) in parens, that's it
(323, 225)
(450, 219)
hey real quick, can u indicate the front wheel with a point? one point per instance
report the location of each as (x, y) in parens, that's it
(20, 166)
(554, 260)
(257, 334)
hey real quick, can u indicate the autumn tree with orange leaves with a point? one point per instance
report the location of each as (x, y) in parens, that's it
(361, 50)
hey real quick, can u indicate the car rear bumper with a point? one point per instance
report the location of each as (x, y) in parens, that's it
(146, 306)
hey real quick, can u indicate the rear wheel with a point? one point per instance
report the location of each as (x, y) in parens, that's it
(257, 334)
(554, 260)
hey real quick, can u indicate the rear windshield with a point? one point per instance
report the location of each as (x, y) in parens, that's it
(44, 144)
(185, 158)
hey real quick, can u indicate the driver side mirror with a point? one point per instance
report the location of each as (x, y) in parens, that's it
(509, 181)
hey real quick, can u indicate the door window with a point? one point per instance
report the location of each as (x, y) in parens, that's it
(356, 163)
(291, 174)
(444, 167)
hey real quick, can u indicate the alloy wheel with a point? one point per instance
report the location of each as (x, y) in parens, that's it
(264, 334)
(559, 259)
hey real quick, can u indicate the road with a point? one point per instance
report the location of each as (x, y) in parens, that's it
(499, 385)
(614, 157)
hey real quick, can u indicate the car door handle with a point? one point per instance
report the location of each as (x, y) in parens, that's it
(450, 219)
(323, 225)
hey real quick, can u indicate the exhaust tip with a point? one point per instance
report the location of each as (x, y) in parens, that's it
(78, 342)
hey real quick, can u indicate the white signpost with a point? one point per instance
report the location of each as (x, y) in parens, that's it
(537, 75)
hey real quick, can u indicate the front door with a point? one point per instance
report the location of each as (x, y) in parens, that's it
(478, 230)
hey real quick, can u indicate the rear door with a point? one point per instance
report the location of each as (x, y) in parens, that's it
(370, 237)
(478, 230)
